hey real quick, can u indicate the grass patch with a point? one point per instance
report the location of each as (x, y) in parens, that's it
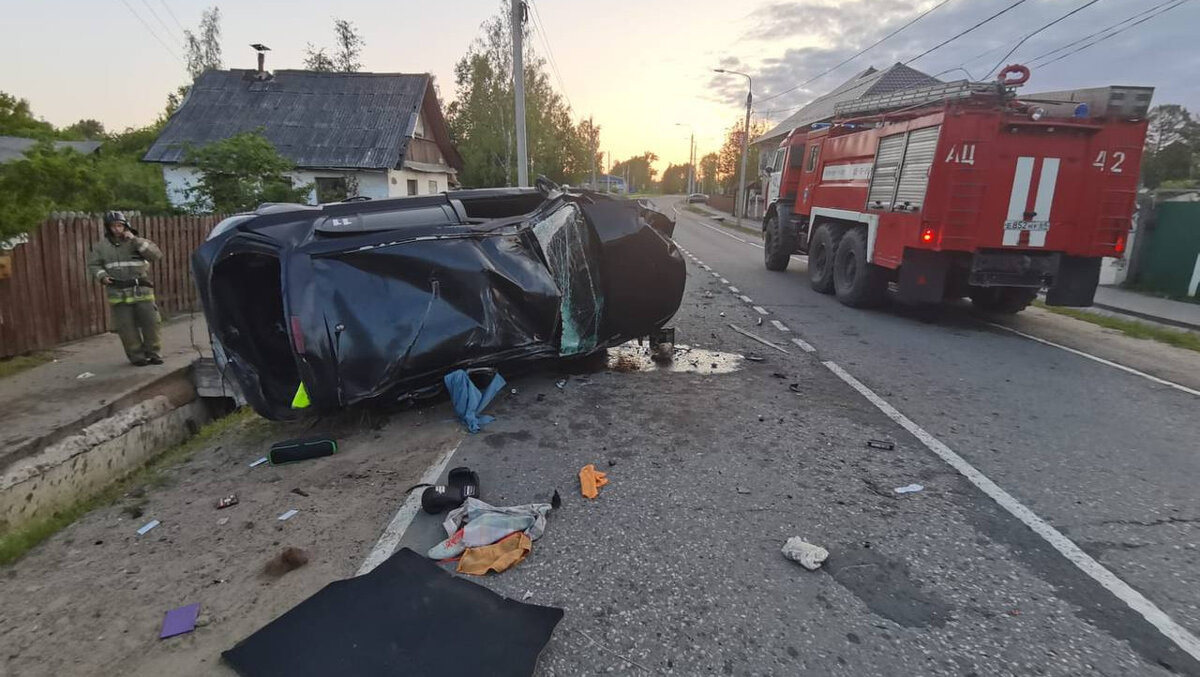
(19, 541)
(20, 363)
(1180, 339)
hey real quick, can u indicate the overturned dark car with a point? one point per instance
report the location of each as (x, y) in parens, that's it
(372, 302)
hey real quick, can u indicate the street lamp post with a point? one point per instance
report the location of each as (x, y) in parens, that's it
(691, 186)
(741, 194)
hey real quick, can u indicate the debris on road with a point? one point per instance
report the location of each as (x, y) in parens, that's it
(743, 490)
(383, 297)
(287, 515)
(468, 401)
(259, 462)
(302, 449)
(300, 492)
(760, 339)
(751, 357)
(555, 500)
(462, 483)
(590, 481)
(560, 384)
(808, 555)
(407, 611)
(795, 387)
(527, 596)
(289, 559)
(85, 376)
(147, 527)
(497, 557)
(881, 444)
(227, 501)
(179, 621)
(908, 489)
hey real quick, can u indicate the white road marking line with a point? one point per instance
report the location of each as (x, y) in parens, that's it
(1066, 547)
(724, 281)
(804, 345)
(746, 299)
(716, 274)
(735, 290)
(779, 325)
(1101, 360)
(390, 538)
(760, 310)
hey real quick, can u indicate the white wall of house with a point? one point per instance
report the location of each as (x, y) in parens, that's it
(371, 183)
(178, 179)
(427, 183)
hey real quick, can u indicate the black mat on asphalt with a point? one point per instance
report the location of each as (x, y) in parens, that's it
(407, 617)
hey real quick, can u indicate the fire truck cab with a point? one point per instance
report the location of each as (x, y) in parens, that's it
(961, 189)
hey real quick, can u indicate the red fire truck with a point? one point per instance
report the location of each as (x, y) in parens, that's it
(962, 189)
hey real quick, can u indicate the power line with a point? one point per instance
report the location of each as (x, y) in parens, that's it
(173, 17)
(541, 29)
(843, 63)
(151, 31)
(1022, 40)
(955, 37)
(1102, 39)
(1104, 30)
(166, 28)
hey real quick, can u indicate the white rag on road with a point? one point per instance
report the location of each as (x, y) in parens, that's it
(485, 523)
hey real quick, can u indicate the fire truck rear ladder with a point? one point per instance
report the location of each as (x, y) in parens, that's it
(907, 98)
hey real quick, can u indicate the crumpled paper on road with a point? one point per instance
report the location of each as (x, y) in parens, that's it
(808, 555)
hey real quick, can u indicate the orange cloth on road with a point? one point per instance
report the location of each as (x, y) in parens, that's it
(590, 481)
(503, 554)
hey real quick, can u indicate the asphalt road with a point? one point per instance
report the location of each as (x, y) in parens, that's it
(1107, 457)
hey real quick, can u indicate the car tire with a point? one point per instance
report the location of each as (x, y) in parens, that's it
(857, 282)
(820, 257)
(779, 242)
(1002, 300)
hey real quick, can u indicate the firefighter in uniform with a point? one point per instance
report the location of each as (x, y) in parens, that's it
(121, 262)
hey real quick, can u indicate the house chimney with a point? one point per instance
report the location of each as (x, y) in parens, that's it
(262, 59)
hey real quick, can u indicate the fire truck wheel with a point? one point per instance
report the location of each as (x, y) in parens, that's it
(820, 258)
(856, 282)
(778, 245)
(1006, 300)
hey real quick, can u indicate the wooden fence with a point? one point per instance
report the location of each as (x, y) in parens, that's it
(50, 299)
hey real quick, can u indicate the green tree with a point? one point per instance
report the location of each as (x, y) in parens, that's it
(674, 179)
(240, 173)
(481, 118)
(1172, 140)
(639, 169)
(204, 46)
(17, 119)
(345, 56)
(708, 173)
(729, 158)
(87, 130)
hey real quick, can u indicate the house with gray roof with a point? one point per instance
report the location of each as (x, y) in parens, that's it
(870, 82)
(14, 147)
(349, 134)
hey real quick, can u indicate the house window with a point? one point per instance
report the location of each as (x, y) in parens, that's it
(433, 189)
(812, 158)
(412, 186)
(331, 189)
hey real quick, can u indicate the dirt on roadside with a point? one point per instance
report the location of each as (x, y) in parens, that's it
(91, 599)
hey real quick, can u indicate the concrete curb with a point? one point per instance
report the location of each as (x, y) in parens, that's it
(1147, 316)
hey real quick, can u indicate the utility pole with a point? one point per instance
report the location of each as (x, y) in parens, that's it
(595, 149)
(739, 208)
(518, 29)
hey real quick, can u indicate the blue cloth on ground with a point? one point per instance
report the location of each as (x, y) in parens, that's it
(468, 401)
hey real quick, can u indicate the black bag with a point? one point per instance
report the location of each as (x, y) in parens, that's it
(302, 449)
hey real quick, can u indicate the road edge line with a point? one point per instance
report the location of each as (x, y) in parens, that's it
(1101, 360)
(1156, 617)
(394, 532)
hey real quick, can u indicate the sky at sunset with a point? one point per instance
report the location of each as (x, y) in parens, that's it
(640, 69)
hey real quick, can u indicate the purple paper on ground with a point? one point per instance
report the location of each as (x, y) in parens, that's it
(179, 621)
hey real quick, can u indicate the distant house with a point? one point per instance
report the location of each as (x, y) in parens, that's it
(870, 82)
(14, 147)
(370, 134)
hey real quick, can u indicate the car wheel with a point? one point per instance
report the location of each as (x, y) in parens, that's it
(779, 243)
(857, 282)
(820, 258)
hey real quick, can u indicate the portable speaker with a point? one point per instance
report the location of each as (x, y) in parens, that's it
(301, 449)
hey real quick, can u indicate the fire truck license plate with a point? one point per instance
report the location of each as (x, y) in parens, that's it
(1027, 225)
